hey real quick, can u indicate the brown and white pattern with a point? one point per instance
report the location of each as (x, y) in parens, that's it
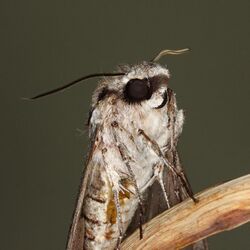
(133, 171)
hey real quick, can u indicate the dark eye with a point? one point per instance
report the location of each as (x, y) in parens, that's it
(137, 90)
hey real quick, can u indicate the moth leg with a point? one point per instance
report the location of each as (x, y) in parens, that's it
(159, 177)
(122, 149)
(132, 176)
(148, 184)
(158, 152)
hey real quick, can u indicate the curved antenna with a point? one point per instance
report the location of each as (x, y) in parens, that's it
(68, 85)
(169, 52)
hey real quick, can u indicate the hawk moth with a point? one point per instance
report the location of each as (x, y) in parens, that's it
(133, 171)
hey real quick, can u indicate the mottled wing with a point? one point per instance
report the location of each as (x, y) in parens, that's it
(177, 192)
(76, 233)
(153, 197)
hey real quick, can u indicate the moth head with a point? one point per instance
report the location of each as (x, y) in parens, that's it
(141, 83)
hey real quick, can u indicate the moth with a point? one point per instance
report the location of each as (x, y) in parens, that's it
(133, 171)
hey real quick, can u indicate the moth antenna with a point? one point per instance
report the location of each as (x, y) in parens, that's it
(70, 84)
(169, 52)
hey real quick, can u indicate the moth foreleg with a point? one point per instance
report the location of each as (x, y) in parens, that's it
(155, 147)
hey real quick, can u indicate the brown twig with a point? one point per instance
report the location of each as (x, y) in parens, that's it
(220, 208)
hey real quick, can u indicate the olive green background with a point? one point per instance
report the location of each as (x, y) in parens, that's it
(44, 143)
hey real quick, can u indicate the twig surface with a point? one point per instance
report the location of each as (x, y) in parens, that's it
(220, 208)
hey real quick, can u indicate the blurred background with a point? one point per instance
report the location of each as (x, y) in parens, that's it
(44, 143)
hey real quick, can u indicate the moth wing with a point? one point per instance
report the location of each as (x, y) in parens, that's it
(176, 192)
(76, 232)
(174, 187)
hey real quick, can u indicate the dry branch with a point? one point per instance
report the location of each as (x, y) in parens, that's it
(220, 208)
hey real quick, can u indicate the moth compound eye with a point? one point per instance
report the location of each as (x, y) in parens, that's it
(137, 90)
